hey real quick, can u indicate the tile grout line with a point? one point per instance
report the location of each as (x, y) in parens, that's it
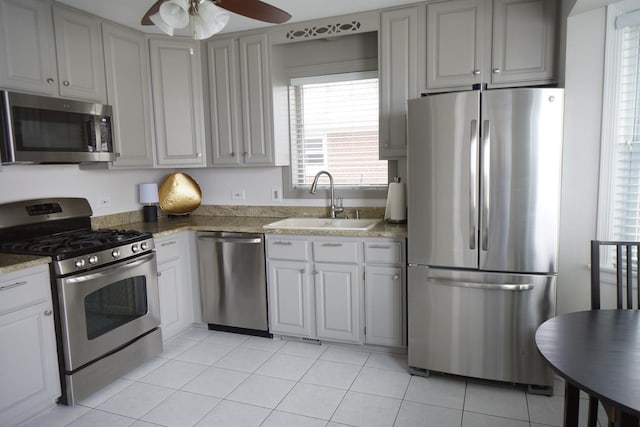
(349, 388)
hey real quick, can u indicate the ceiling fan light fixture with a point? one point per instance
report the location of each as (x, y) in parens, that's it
(209, 20)
(161, 24)
(175, 13)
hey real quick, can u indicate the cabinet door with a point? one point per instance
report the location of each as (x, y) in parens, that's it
(338, 302)
(80, 56)
(176, 81)
(255, 84)
(27, 50)
(224, 93)
(523, 41)
(172, 290)
(291, 310)
(129, 92)
(384, 306)
(401, 62)
(458, 38)
(28, 363)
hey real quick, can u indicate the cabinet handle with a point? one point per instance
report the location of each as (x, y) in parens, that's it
(281, 243)
(497, 71)
(159, 274)
(396, 277)
(48, 312)
(380, 247)
(245, 154)
(233, 154)
(13, 285)
(50, 80)
(386, 145)
(476, 72)
(66, 83)
(169, 243)
(314, 272)
(332, 245)
(302, 271)
(199, 155)
(118, 154)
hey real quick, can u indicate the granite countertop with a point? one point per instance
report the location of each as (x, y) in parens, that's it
(242, 224)
(248, 224)
(12, 262)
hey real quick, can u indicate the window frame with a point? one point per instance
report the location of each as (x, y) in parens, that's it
(308, 73)
(610, 95)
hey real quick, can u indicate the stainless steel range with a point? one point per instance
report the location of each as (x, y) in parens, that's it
(104, 286)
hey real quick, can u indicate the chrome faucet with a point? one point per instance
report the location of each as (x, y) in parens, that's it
(333, 210)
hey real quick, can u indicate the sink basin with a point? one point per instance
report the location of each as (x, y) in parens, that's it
(325, 224)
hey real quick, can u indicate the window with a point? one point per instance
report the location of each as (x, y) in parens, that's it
(619, 215)
(334, 127)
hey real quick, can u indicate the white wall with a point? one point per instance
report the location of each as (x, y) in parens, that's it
(583, 115)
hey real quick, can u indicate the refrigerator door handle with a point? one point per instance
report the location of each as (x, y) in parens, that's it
(486, 160)
(473, 179)
(487, 286)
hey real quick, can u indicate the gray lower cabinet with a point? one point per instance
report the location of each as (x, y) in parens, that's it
(175, 289)
(28, 360)
(342, 289)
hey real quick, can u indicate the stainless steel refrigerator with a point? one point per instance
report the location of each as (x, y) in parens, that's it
(484, 198)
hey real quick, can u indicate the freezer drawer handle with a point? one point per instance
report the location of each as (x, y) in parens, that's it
(473, 178)
(231, 239)
(490, 286)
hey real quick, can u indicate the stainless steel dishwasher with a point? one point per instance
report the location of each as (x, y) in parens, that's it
(233, 285)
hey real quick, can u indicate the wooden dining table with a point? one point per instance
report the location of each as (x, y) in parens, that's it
(597, 351)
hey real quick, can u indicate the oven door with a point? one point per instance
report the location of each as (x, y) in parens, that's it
(104, 309)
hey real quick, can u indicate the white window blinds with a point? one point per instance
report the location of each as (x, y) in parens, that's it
(334, 127)
(625, 215)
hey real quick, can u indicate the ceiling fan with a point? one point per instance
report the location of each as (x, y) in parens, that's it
(255, 9)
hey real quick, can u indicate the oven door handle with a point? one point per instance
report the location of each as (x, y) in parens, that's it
(108, 270)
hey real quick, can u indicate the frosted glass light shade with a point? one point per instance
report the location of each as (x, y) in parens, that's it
(209, 20)
(148, 193)
(175, 13)
(161, 24)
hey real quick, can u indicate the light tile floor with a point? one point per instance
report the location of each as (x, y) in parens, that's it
(207, 378)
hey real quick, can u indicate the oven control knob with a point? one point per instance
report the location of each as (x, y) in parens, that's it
(134, 248)
(93, 259)
(144, 246)
(115, 253)
(79, 263)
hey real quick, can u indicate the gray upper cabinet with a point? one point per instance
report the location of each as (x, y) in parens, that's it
(241, 101)
(178, 104)
(64, 59)
(401, 59)
(129, 92)
(27, 48)
(458, 41)
(80, 57)
(499, 42)
(523, 42)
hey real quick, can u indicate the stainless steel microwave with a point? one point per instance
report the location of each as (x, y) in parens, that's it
(40, 129)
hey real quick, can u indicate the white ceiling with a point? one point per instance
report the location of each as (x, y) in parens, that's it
(129, 12)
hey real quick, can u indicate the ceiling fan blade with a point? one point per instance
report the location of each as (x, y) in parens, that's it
(152, 11)
(255, 9)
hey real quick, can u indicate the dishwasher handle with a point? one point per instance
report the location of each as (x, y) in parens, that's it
(231, 239)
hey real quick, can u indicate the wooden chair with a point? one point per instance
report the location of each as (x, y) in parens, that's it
(626, 259)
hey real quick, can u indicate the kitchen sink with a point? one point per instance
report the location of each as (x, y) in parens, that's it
(325, 224)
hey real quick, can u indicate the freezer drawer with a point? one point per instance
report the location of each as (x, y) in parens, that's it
(479, 324)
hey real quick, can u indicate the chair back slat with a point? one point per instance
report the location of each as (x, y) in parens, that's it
(624, 257)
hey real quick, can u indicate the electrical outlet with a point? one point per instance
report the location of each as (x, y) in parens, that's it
(104, 202)
(276, 193)
(237, 194)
